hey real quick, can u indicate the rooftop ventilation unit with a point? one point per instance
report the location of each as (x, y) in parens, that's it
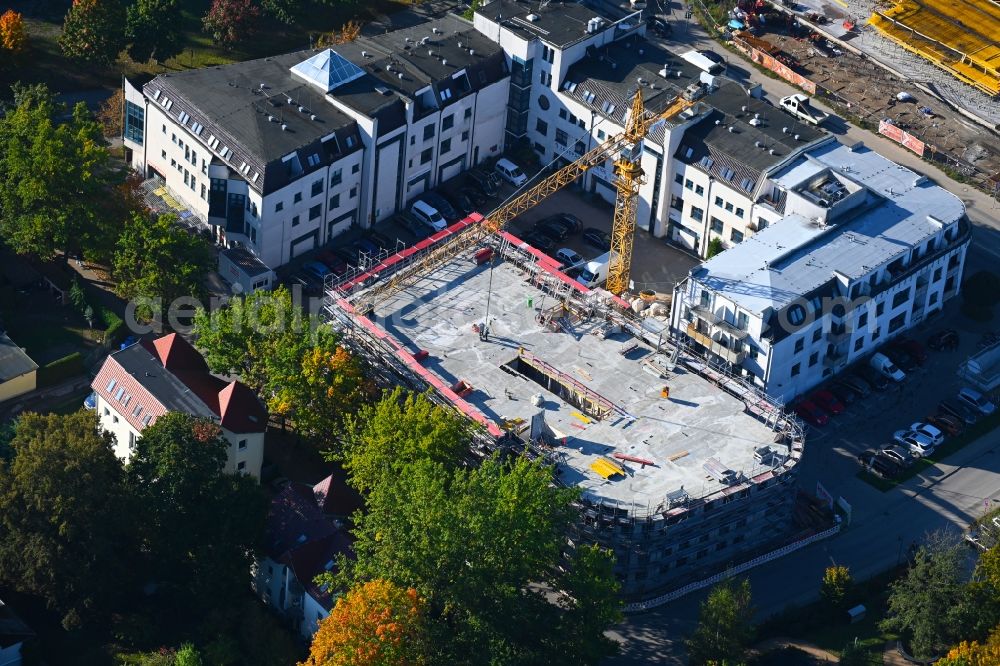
(642, 52)
(718, 122)
(271, 119)
(798, 137)
(430, 52)
(758, 144)
(312, 116)
(732, 130)
(408, 40)
(772, 152)
(744, 108)
(472, 52)
(382, 90)
(302, 109)
(460, 45)
(533, 17)
(641, 81)
(263, 87)
(756, 122)
(784, 130)
(284, 127)
(663, 72)
(424, 40)
(364, 54)
(757, 116)
(289, 100)
(444, 62)
(436, 30)
(400, 75)
(678, 73)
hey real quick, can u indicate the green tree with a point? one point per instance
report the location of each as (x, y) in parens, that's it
(153, 30)
(854, 655)
(55, 178)
(483, 546)
(925, 602)
(198, 525)
(155, 258)
(64, 516)
(725, 626)
(402, 428)
(230, 22)
(836, 581)
(93, 31)
(286, 11)
(188, 655)
(714, 248)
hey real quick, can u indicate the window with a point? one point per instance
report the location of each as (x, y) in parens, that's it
(729, 207)
(718, 201)
(796, 314)
(356, 168)
(900, 298)
(413, 140)
(897, 322)
(446, 146)
(879, 309)
(164, 129)
(295, 221)
(134, 122)
(796, 369)
(697, 213)
(354, 191)
(173, 162)
(163, 154)
(315, 211)
(799, 345)
(242, 444)
(562, 113)
(761, 223)
(679, 179)
(465, 135)
(467, 114)
(335, 201)
(111, 385)
(859, 343)
(297, 198)
(107, 412)
(336, 177)
(875, 334)
(317, 187)
(448, 122)
(742, 321)
(813, 358)
(542, 127)
(689, 184)
(114, 419)
(241, 466)
(739, 213)
(736, 236)
(817, 334)
(562, 138)
(937, 275)
(428, 132)
(426, 156)
(601, 135)
(716, 225)
(862, 320)
(699, 190)
(173, 137)
(279, 206)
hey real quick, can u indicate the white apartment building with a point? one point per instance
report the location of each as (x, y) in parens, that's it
(281, 155)
(140, 383)
(865, 249)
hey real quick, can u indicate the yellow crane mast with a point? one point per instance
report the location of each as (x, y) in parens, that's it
(628, 148)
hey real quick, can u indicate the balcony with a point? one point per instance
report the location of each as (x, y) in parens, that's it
(715, 347)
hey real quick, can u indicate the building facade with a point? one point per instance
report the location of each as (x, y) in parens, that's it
(865, 249)
(140, 383)
(282, 155)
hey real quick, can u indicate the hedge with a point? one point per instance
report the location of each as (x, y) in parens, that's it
(60, 370)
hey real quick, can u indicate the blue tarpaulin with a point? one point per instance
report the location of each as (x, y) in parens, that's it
(736, 25)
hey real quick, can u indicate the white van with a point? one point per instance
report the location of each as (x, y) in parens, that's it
(711, 64)
(882, 363)
(428, 214)
(595, 272)
(510, 172)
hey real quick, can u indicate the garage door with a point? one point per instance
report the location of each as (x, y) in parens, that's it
(450, 171)
(303, 245)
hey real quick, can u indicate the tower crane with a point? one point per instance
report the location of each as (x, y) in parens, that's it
(625, 149)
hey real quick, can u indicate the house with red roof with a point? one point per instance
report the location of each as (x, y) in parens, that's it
(303, 540)
(144, 381)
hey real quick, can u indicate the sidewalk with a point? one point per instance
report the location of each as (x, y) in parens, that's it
(780, 643)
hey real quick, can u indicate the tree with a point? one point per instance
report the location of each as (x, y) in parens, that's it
(64, 516)
(93, 32)
(974, 653)
(714, 248)
(188, 655)
(13, 34)
(402, 428)
(725, 626)
(111, 114)
(836, 581)
(55, 178)
(198, 525)
(286, 11)
(376, 623)
(484, 547)
(153, 30)
(155, 258)
(924, 603)
(230, 22)
(347, 33)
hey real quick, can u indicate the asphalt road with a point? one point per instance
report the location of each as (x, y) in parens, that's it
(883, 524)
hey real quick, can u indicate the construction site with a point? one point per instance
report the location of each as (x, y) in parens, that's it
(684, 471)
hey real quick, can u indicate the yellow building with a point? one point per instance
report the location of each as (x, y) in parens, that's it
(17, 370)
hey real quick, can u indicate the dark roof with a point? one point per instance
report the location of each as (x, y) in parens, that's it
(335, 497)
(712, 147)
(249, 264)
(14, 362)
(173, 374)
(13, 630)
(558, 23)
(229, 102)
(611, 73)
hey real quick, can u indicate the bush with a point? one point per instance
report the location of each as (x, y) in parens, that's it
(981, 289)
(115, 329)
(60, 370)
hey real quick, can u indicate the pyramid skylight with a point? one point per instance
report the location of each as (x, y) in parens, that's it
(327, 70)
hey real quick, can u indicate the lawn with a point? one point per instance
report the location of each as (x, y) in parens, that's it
(46, 329)
(44, 61)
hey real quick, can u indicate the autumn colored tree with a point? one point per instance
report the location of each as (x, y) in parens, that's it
(230, 22)
(347, 33)
(974, 653)
(376, 623)
(94, 31)
(111, 114)
(836, 581)
(13, 34)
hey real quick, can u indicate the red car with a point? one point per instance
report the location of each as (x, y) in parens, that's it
(811, 413)
(827, 402)
(333, 262)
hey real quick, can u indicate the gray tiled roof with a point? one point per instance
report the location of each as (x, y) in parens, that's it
(14, 362)
(559, 23)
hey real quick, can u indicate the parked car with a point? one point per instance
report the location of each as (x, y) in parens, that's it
(316, 270)
(597, 239)
(913, 348)
(879, 464)
(336, 265)
(413, 225)
(811, 413)
(539, 241)
(827, 401)
(929, 431)
(898, 455)
(552, 229)
(918, 445)
(571, 223)
(382, 240)
(568, 257)
(482, 182)
(959, 411)
(659, 25)
(946, 423)
(856, 384)
(461, 203)
(307, 283)
(900, 358)
(843, 393)
(350, 257)
(510, 172)
(475, 195)
(877, 380)
(442, 205)
(882, 363)
(428, 214)
(946, 340)
(976, 400)
(366, 246)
